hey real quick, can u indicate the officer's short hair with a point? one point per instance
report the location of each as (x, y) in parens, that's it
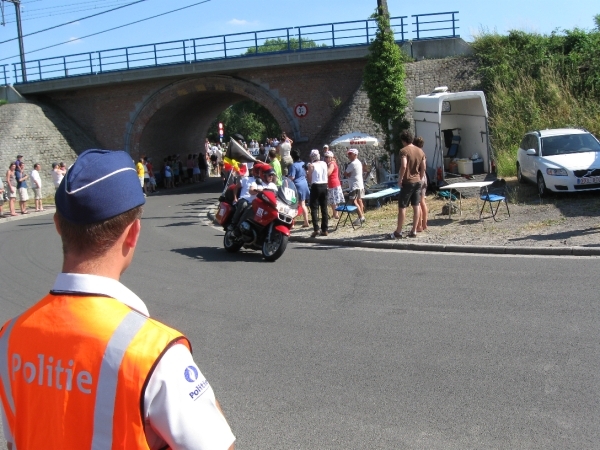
(94, 239)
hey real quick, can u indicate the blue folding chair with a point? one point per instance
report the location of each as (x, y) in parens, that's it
(494, 193)
(453, 149)
(347, 208)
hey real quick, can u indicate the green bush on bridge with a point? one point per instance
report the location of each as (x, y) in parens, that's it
(535, 81)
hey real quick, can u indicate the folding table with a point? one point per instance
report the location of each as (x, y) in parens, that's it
(382, 195)
(458, 187)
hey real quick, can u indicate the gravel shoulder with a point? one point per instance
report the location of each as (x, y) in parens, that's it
(569, 220)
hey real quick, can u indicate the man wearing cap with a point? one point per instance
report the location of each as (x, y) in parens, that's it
(86, 367)
(355, 179)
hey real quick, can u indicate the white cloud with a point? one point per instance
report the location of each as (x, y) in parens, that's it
(238, 22)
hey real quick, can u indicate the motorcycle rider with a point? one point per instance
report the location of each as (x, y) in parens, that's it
(244, 184)
(268, 178)
(263, 178)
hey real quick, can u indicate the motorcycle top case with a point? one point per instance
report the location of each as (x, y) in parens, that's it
(224, 212)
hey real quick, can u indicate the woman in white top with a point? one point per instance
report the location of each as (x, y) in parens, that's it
(317, 178)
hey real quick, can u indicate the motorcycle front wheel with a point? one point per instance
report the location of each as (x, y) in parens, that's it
(230, 243)
(274, 248)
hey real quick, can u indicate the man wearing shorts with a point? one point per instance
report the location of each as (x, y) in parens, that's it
(412, 171)
(21, 177)
(37, 187)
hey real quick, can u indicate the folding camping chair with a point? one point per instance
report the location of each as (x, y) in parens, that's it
(494, 193)
(453, 149)
(347, 208)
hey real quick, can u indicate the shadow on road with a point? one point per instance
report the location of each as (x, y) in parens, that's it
(215, 254)
(180, 224)
(560, 236)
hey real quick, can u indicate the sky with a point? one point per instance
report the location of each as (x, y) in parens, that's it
(218, 17)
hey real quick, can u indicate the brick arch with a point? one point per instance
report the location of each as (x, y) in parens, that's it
(175, 119)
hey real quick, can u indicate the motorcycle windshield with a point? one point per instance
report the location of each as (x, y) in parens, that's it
(287, 192)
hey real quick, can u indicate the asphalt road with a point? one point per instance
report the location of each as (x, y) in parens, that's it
(338, 348)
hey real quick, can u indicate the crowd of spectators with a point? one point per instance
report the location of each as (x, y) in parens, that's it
(18, 181)
(317, 181)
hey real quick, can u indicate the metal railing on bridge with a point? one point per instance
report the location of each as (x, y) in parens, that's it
(237, 45)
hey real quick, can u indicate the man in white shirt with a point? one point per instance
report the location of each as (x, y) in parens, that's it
(98, 218)
(317, 178)
(354, 174)
(37, 187)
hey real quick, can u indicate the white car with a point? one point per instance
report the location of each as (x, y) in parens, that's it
(560, 160)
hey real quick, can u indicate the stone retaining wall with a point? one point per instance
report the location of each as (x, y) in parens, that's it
(42, 134)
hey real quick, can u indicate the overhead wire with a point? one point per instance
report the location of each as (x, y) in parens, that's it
(70, 5)
(40, 15)
(110, 29)
(76, 20)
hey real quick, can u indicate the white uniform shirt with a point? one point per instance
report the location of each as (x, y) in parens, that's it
(269, 186)
(173, 416)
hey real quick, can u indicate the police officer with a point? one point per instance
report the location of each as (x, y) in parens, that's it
(86, 367)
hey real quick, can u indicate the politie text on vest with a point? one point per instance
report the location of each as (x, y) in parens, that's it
(51, 373)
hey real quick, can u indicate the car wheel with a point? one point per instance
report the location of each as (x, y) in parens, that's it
(541, 185)
(520, 174)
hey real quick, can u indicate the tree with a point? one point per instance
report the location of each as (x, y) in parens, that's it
(384, 82)
(281, 45)
(597, 21)
(251, 120)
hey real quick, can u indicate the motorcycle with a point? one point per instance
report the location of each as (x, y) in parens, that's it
(266, 225)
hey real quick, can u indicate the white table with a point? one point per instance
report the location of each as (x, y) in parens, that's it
(458, 187)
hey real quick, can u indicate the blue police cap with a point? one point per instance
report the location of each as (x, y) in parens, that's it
(100, 185)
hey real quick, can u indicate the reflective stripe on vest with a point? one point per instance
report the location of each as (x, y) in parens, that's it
(109, 375)
(4, 366)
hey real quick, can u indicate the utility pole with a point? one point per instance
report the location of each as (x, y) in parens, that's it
(382, 8)
(17, 4)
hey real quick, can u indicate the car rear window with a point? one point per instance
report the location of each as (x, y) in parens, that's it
(569, 143)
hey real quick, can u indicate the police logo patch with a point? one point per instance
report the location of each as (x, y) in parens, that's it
(191, 374)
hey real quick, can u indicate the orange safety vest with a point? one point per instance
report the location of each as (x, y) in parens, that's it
(73, 371)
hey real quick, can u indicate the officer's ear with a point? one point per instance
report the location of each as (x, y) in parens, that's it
(133, 233)
(57, 224)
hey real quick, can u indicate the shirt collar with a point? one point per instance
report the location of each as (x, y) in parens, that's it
(94, 284)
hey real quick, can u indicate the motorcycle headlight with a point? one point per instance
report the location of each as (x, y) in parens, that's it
(557, 172)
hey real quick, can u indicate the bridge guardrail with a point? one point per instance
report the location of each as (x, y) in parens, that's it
(419, 24)
(280, 40)
(4, 77)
